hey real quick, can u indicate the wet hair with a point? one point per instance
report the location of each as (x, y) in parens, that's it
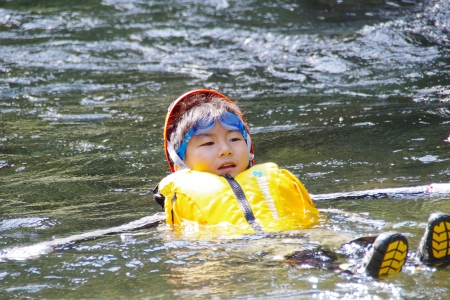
(205, 107)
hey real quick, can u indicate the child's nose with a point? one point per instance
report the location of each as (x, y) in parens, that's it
(225, 149)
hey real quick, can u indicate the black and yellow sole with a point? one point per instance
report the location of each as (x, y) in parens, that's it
(434, 247)
(387, 255)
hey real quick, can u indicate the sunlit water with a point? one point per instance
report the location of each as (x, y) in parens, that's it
(348, 95)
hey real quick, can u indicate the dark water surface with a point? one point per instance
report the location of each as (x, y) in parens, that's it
(348, 95)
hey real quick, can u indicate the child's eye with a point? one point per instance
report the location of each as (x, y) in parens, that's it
(235, 139)
(207, 144)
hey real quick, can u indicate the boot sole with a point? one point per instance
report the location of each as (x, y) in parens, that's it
(390, 251)
(437, 240)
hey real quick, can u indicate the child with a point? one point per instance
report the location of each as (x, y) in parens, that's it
(216, 184)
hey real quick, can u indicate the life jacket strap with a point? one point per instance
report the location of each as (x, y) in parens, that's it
(243, 203)
(158, 197)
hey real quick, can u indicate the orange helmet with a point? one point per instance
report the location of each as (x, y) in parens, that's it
(178, 108)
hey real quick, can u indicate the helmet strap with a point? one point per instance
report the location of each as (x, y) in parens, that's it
(174, 156)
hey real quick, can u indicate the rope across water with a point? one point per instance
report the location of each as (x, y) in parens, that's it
(33, 251)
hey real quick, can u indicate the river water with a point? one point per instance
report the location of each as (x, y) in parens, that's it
(348, 95)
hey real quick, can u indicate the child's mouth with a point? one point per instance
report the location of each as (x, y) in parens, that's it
(226, 166)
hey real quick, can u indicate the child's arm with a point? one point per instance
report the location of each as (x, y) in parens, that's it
(299, 202)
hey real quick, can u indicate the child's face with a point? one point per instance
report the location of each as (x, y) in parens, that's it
(219, 151)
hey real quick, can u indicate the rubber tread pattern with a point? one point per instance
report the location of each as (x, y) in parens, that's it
(387, 255)
(434, 247)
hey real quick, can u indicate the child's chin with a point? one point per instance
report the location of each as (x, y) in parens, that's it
(233, 172)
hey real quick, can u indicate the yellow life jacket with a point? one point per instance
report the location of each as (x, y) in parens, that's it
(263, 197)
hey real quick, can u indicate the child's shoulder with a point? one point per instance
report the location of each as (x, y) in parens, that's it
(267, 166)
(173, 176)
(265, 169)
(272, 170)
(188, 178)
